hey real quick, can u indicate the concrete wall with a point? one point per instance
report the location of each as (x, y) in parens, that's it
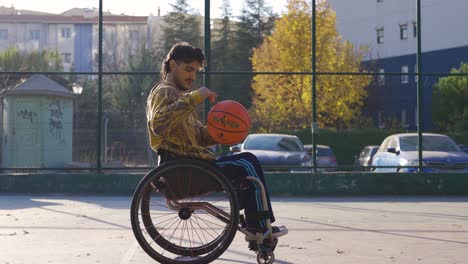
(279, 184)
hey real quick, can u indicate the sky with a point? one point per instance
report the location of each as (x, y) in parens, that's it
(134, 7)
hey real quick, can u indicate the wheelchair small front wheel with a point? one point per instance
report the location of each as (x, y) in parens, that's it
(265, 257)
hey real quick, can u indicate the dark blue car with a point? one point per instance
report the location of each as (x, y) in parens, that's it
(275, 149)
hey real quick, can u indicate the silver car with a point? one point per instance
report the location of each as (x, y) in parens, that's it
(400, 151)
(365, 157)
(275, 149)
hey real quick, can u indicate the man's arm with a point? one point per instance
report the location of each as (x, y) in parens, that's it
(165, 107)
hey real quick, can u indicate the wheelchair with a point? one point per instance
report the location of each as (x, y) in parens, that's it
(186, 211)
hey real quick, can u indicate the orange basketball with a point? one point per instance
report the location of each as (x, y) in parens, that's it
(228, 122)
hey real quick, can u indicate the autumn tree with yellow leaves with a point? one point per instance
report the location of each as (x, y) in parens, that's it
(285, 101)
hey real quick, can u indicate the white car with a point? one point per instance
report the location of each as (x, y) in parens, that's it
(399, 153)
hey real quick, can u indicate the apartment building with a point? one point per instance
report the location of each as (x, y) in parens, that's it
(389, 29)
(74, 34)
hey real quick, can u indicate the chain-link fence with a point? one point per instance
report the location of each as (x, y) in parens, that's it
(361, 85)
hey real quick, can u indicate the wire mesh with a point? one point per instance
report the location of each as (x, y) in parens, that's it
(354, 62)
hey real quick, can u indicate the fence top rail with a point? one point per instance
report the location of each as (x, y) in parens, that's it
(233, 73)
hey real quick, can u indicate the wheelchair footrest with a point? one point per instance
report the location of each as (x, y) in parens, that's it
(253, 236)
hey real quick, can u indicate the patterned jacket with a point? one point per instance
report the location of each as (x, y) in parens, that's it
(173, 124)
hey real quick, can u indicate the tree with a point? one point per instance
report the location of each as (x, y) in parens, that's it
(127, 93)
(450, 101)
(182, 24)
(222, 36)
(255, 22)
(222, 53)
(14, 60)
(285, 101)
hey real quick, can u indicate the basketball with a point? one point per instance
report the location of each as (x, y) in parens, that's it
(228, 122)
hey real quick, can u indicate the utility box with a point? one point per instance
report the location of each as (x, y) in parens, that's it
(37, 124)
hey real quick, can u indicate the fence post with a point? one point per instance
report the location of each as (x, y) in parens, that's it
(419, 86)
(314, 88)
(99, 125)
(207, 40)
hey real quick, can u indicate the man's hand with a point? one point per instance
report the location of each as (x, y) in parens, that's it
(207, 93)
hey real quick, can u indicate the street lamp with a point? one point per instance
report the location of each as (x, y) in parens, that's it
(77, 89)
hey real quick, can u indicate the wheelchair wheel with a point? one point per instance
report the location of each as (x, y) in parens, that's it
(184, 211)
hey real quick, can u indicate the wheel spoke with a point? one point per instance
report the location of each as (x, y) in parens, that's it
(185, 234)
(209, 227)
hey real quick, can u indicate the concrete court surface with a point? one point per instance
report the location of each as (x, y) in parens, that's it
(330, 230)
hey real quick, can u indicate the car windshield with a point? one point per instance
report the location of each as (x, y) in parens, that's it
(273, 143)
(429, 143)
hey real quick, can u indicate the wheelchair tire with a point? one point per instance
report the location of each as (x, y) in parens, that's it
(207, 238)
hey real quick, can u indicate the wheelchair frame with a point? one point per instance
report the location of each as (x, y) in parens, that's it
(190, 209)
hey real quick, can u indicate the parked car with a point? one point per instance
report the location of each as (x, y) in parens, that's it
(365, 156)
(440, 154)
(275, 149)
(326, 159)
(463, 148)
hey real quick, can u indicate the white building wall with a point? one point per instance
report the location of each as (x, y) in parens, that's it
(118, 47)
(117, 42)
(444, 24)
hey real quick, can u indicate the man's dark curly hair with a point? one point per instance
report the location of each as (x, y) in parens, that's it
(182, 52)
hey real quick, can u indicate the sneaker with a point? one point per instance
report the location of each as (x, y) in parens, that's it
(276, 230)
(267, 242)
(279, 231)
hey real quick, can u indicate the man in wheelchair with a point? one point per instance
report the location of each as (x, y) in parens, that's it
(176, 133)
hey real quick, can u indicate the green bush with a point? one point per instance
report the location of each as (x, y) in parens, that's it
(459, 137)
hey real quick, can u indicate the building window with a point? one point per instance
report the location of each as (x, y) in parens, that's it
(380, 35)
(66, 32)
(3, 34)
(66, 57)
(404, 31)
(381, 77)
(415, 29)
(34, 34)
(133, 34)
(404, 74)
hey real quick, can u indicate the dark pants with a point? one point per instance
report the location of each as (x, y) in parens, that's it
(235, 166)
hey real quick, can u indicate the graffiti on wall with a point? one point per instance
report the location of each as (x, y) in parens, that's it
(56, 119)
(27, 115)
